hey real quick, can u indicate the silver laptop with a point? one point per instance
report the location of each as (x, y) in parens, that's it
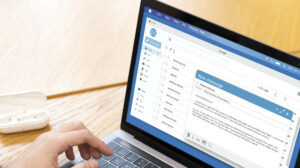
(200, 95)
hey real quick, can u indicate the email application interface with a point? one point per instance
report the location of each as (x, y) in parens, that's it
(232, 108)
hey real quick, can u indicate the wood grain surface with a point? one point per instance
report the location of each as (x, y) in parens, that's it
(274, 22)
(64, 45)
(297, 53)
(100, 111)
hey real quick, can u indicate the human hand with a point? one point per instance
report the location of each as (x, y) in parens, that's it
(44, 151)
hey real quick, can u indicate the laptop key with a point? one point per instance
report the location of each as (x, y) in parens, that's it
(102, 162)
(126, 165)
(108, 157)
(117, 161)
(131, 157)
(113, 146)
(140, 162)
(121, 151)
(141, 153)
(150, 165)
(110, 166)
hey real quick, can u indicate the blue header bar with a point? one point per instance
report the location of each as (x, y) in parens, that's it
(250, 97)
(229, 45)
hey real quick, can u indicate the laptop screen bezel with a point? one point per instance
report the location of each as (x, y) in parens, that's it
(154, 142)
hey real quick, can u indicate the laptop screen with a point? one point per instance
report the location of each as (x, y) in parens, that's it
(214, 99)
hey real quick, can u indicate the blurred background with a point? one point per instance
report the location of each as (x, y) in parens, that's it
(63, 45)
(66, 46)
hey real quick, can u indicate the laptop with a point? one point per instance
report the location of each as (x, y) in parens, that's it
(200, 95)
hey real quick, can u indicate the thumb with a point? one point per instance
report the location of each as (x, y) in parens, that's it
(87, 164)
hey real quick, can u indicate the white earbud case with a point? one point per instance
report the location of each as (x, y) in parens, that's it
(23, 112)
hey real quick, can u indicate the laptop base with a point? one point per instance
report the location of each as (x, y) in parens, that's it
(129, 152)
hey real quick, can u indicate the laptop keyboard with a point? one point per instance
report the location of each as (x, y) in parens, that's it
(124, 158)
(127, 155)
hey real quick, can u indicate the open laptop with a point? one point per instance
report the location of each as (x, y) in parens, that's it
(200, 95)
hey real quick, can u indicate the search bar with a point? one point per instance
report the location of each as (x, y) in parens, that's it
(198, 51)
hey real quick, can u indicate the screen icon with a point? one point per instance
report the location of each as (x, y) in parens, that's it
(153, 32)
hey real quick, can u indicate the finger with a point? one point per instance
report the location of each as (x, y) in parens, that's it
(87, 164)
(95, 153)
(84, 151)
(71, 126)
(70, 153)
(75, 138)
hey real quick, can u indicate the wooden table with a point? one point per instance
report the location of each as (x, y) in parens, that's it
(78, 52)
(99, 110)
